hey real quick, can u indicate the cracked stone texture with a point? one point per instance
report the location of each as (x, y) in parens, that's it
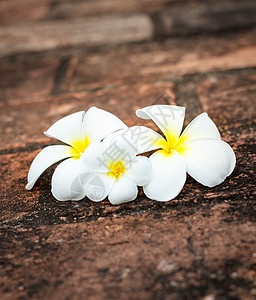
(200, 54)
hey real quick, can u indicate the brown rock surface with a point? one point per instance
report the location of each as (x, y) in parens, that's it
(198, 244)
(28, 10)
(167, 60)
(18, 120)
(239, 95)
(90, 33)
(201, 245)
(20, 82)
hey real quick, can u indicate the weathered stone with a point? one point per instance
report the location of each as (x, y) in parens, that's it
(31, 10)
(13, 11)
(229, 100)
(215, 17)
(71, 9)
(140, 248)
(91, 258)
(15, 203)
(153, 62)
(89, 33)
(20, 82)
(18, 121)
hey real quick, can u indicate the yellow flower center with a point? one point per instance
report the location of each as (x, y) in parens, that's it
(173, 143)
(78, 147)
(116, 169)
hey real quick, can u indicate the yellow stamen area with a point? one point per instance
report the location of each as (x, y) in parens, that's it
(173, 142)
(78, 147)
(116, 169)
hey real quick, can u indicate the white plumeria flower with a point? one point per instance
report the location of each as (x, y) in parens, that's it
(199, 151)
(77, 131)
(116, 170)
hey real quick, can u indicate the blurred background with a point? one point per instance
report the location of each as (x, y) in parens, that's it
(69, 54)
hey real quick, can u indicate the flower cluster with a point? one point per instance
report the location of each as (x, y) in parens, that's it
(101, 156)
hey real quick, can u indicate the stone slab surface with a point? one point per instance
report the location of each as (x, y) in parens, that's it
(28, 10)
(213, 18)
(90, 33)
(157, 255)
(229, 100)
(200, 244)
(150, 62)
(17, 121)
(141, 249)
(23, 81)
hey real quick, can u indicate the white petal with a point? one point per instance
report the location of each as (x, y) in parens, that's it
(123, 190)
(98, 185)
(119, 149)
(47, 157)
(201, 127)
(142, 138)
(168, 176)
(139, 170)
(67, 129)
(99, 156)
(68, 180)
(208, 161)
(168, 118)
(99, 123)
(94, 157)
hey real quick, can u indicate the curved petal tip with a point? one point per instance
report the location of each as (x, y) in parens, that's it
(29, 185)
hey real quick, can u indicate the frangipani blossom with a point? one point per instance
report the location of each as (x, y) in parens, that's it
(199, 151)
(115, 164)
(77, 131)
